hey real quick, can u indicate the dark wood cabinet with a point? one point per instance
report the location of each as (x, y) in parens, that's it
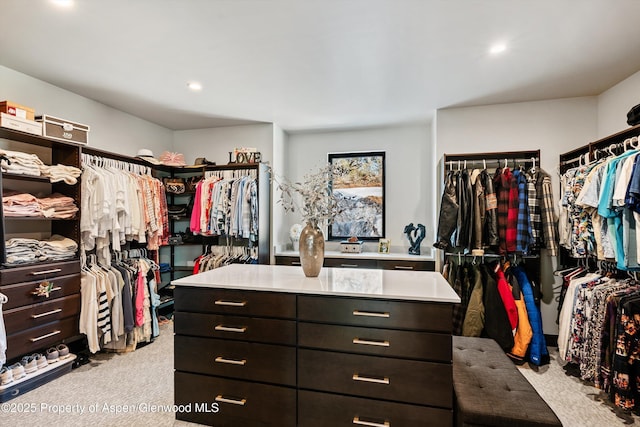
(35, 321)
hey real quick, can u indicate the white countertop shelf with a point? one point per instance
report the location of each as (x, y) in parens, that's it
(369, 283)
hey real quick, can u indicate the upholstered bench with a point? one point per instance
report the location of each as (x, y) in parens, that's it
(490, 391)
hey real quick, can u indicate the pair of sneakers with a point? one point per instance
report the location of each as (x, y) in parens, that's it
(34, 362)
(59, 352)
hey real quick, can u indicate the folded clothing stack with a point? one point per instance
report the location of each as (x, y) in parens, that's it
(57, 173)
(16, 204)
(56, 205)
(23, 251)
(29, 164)
(21, 163)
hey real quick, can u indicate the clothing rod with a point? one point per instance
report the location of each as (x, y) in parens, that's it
(500, 162)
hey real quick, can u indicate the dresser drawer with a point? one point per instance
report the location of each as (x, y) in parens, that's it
(274, 331)
(380, 342)
(410, 381)
(350, 263)
(426, 316)
(391, 264)
(21, 294)
(38, 272)
(41, 337)
(243, 303)
(322, 409)
(38, 314)
(236, 359)
(239, 403)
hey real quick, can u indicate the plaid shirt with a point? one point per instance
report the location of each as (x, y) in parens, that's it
(512, 213)
(501, 186)
(534, 212)
(523, 226)
(548, 214)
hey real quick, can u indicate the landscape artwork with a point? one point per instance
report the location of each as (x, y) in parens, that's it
(358, 185)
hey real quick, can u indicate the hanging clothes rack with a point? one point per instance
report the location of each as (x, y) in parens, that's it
(512, 159)
(100, 161)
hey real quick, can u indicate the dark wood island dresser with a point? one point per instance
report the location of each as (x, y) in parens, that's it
(262, 345)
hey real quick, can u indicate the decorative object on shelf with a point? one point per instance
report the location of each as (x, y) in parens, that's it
(384, 246)
(147, 155)
(177, 211)
(415, 236)
(245, 155)
(311, 247)
(318, 205)
(202, 161)
(64, 130)
(351, 246)
(294, 234)
(174, 185)
(170, 158)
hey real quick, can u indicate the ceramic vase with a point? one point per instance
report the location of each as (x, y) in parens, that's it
(311, 248)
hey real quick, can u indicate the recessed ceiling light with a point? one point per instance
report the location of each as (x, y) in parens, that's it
(497, 48)
(194, 86)
(63, 3)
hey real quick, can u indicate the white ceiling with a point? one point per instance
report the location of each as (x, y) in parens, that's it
(307, 64)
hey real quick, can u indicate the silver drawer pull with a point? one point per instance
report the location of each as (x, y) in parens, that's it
(221, 398)
(57, 288)
(370, 313)
(296, 263)
(349, 265)
(48, 313)
(221, 359)
(358, 421)
(383, 380)
(230, 329)
(53, 270)
(403, 267)
(371, 342)
(231, 303)
(45, 336)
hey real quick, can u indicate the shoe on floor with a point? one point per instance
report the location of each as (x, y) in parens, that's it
(63, 351)
(41, 361)
(52, 355)
(17, 371)
(29, 363)
(6, 375)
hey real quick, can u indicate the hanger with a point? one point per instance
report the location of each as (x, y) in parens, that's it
(3, 298)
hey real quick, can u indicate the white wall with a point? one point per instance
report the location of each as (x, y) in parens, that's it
(278, 163)
(554, 127)
(614, 103)
(407, 175)
(111, 129)
(215, 143)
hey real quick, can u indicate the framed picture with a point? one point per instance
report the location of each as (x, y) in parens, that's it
(384, 246)
(358, 184)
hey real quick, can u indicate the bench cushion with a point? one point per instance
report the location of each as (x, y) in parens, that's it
(490, 391)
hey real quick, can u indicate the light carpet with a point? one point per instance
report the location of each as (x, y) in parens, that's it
(141, 382)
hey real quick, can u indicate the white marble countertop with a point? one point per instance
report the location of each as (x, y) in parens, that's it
(372, 283)
(363, 255)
